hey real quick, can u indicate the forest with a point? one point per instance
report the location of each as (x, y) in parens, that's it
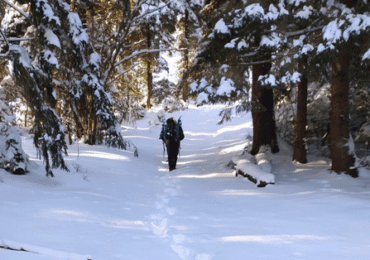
(75, 70)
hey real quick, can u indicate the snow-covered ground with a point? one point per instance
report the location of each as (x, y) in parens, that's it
(114, 206)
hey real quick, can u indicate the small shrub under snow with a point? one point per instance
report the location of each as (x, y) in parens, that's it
(12, 156)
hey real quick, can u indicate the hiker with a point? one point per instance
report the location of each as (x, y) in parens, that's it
(171, 135)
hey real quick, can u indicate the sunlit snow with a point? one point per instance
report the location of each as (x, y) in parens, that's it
(114, 206)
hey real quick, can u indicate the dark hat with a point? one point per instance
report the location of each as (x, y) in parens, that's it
(170, 121)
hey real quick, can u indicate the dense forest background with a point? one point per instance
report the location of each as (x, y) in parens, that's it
(75, 70)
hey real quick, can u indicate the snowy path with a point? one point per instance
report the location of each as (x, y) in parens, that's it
(119, 207)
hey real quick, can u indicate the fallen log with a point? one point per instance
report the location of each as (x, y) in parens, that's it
(254, 173)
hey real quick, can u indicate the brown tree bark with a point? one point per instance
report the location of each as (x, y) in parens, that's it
(150, 85)
(299, 150)
(263, 112)
(148, 69)
(185, 84)
(92, 130)
(342, 161)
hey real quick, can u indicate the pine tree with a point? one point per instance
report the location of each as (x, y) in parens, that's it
(349, 24)
(334, 33)
(63, 60)
(242, 40)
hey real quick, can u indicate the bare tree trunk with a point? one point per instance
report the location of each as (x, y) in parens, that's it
(300, 154)
(342, 161)
(263, 112)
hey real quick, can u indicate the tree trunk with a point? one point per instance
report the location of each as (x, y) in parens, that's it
(92, 130)
(150, 85)
(299, 153)
(149, 71)
(69, 131)
(263, 112)
(342, 161)
(185, 84)
(26, 117)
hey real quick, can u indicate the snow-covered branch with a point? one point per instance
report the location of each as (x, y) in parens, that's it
(43, 252)
(250, 54)
(134, 44)
(18, 9)
(304, 31)
(17, 39)
(136, 53)
(257, 62)
(288, 35)
(138, 18)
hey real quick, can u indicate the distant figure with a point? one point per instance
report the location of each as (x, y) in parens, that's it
(171, 135)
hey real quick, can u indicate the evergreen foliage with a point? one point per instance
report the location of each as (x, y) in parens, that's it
(301, 40)
(61, 62)
(12, 156)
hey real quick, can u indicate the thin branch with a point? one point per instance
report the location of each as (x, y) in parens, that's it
(148, 12)
(17, 39)
(307, 30)
(258, 62)
(4, 38)
(16, 249)
(136, 43)
(145, 52)
(249, 54)
(18, 9)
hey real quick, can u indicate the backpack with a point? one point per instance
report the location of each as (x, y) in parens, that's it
(171, 129)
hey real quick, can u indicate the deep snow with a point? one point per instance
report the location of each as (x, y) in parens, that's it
(114, 206)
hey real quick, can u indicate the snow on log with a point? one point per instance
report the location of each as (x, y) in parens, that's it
(263, 162)
(254, 173)
(15, 246)
(257, 169)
